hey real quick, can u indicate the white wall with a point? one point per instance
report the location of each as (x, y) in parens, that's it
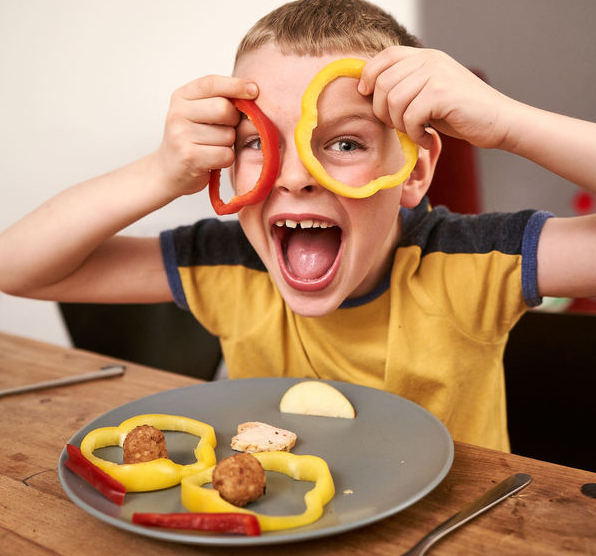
(85, 88)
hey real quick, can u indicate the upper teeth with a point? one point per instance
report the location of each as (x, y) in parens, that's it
(303, 223)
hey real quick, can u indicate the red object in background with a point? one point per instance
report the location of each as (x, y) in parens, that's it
(455, 183)
(583, 203)
(583, 305)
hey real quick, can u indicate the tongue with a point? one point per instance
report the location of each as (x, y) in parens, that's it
(311, 252)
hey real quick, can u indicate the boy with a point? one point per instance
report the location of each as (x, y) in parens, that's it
(380, 291)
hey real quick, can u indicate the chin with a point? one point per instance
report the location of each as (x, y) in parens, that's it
(310, 306)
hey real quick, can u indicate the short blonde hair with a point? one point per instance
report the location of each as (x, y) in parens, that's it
(316, 27)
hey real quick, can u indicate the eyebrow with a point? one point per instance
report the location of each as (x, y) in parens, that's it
(347, 117)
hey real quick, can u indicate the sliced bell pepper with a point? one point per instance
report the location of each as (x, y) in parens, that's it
(158, 473)
(345, 67)
(196, 498)
(96, 477)
(237, 523)
(270, 149)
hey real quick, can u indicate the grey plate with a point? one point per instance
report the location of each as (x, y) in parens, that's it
(391, 455)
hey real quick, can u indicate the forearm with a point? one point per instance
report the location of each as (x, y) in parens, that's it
(563, 145)
(61, 250)
(55, 240)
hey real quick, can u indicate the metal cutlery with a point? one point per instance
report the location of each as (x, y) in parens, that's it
(104, 372)
(497, 494)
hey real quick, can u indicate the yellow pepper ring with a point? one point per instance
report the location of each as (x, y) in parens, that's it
(158, 473)
(196, 498)
(345, 67)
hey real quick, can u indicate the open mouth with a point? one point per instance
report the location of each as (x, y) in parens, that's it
(308, 251)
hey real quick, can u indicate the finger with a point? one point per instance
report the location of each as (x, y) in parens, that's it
(418, 120)
(394, 83)
(220, 157)
(380, 63)
(219, 136)
(200, 159)
(393, 104)
(218, 86)
(419, 133)
(214, 110)
(183, 132)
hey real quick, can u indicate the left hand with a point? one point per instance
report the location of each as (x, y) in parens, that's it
(416, 87)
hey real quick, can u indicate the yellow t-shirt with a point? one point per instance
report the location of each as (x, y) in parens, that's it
(433, 332)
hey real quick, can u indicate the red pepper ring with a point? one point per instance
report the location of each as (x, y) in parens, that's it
(270, 149)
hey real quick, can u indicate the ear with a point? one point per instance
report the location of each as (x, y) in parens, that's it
(416, 186)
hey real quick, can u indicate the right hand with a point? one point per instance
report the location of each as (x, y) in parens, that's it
(200, 131)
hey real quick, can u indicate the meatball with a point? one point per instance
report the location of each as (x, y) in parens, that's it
(144, 443)
(239, 479)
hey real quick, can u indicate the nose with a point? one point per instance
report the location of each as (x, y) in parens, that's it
(293, 176)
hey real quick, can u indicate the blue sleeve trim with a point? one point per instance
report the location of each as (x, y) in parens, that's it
(530, 257)
(368, 297)
(168, 252)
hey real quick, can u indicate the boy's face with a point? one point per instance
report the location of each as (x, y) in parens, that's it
(350, 252)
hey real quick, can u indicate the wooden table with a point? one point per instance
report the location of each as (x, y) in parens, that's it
(550, 516)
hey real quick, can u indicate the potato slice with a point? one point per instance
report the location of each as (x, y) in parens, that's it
(313, 397)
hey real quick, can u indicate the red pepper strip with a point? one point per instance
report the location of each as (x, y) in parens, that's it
(111, 488)
(239, 523)
(270, 149)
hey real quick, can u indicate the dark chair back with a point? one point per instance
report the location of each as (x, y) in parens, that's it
(550, 373)
(159, 335)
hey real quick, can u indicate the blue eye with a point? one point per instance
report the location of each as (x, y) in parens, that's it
(253, 144)
(345, 145)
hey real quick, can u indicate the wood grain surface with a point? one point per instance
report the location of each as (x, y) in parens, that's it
(550, 516)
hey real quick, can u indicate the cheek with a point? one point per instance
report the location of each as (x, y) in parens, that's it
(244, 175)
(252, 225)
(391, 151)
(376, 226)
(381, 208)
(385, 159)
(355, 175)
(247, 221)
